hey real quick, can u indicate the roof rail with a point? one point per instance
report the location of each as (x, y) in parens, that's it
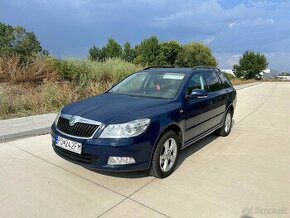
(205, 67)
(146, 68)
(194, 68)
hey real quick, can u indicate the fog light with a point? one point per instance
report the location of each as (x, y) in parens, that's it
(121, 160)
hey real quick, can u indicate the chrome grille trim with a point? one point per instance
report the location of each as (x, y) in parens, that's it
(79, 119)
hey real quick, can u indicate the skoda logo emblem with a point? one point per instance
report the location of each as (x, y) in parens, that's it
(72, 121)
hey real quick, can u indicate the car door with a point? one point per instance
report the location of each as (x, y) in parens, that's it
(196, 110)
(217, 98)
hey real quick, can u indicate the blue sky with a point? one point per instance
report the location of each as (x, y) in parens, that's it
(68, 28)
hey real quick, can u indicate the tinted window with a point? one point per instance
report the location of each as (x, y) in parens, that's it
(213, 81)
(196, 82)
(225, 81)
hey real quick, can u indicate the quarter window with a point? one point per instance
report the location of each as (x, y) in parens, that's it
(213, 81)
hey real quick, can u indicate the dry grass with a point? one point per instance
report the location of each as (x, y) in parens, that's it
(24, 100)
(45, 84)
(242, 81)
(35, 71)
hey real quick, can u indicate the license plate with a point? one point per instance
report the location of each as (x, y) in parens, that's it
(68, 145)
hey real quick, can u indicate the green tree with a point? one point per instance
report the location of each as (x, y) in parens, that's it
(250, 65)
(6, 39)
(16, 40)
(168, 53)
(147, 51)
(96, 54)
(113, 49)
(128, 52)
(194, 54)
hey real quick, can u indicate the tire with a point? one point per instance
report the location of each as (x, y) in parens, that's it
(159, 168)
(227, 124)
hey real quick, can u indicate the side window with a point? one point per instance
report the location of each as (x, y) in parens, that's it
(225, 81)
(213, 81)
(196, 82)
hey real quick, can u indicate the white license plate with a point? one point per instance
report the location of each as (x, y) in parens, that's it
(68, 144)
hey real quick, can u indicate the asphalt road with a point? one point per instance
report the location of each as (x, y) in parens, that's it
(246, 174)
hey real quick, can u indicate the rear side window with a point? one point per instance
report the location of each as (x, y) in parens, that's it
(213, 81)
(225, 81)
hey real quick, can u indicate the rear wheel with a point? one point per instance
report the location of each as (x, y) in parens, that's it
(227, 125)
(165, 155)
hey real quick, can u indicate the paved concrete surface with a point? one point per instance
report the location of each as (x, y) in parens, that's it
(40, 124)
(246, 174)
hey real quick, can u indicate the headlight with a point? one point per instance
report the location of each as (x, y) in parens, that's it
(57, 117)
(126, 130)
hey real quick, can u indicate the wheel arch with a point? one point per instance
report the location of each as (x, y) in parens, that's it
(231, 108)
(171, 126)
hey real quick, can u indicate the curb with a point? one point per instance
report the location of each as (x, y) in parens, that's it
(24, 134)
(246, 85)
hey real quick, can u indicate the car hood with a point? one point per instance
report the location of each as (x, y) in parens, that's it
(112, 108)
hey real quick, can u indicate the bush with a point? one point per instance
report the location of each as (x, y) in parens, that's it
(229, 76)
(86, 71)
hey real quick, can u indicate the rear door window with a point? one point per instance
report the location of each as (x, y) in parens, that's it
(213, 81)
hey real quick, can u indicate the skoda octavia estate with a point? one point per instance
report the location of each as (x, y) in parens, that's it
(144, 121)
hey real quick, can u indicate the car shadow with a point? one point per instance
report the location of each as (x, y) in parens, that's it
(193, 148)
(127, 175)
(184, 153)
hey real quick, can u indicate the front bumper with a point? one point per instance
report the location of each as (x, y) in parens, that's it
(95, 152)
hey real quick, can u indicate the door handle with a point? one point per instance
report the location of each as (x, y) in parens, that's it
(210, 102)
(202, 97)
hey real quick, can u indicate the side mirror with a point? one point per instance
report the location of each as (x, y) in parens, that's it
(197, 93)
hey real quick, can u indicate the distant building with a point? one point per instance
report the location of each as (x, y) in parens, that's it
(265, 74)
(283, 77)
(269, 74)
(229, 71)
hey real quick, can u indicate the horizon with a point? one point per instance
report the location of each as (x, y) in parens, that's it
(69, 28)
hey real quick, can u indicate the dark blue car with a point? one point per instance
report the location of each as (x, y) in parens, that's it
(144, 121)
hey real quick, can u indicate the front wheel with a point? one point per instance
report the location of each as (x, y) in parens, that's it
(227, 125)
(165, 155)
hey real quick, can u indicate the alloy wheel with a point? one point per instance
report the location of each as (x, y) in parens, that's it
(228, 122)
(168, 154)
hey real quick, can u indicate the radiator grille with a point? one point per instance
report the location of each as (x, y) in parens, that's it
(78, 129)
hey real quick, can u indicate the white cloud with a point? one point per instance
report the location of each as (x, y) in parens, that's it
(208, 40)
(231, 25)
(228, 60)
(232, 60)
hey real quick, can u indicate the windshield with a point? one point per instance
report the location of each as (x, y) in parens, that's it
(150, 84)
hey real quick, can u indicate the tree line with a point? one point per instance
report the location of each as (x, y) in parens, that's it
(151, 51)
(16, 40)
